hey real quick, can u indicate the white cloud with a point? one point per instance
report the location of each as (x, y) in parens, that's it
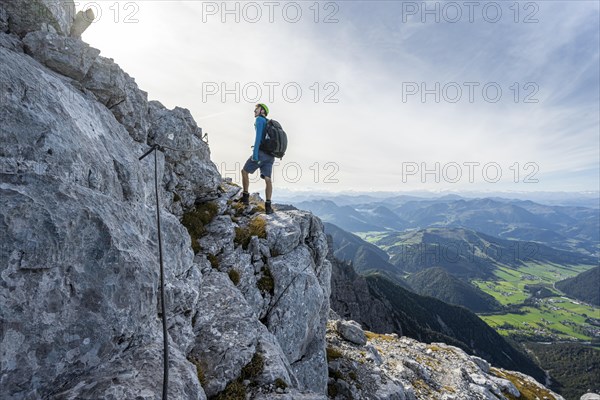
(368, 55)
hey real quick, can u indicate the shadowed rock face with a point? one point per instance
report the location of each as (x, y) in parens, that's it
(79, 281)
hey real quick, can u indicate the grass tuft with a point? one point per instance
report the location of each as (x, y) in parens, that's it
(256, 227)
(332, 390)
(196, 220)
(214, 260)
(235, 390)
(280, 384)
(234, 275)
(372, 335)
(254, 368)
(199, 371)
(528, 391)
(333, 354)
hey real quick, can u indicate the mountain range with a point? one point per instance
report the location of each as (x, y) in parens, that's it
(441, 262)
(416, 267)
(469, 254)
(571, 228)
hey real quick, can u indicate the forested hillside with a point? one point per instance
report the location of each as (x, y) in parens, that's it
(574, 367)
(438, 283)
(585, 286)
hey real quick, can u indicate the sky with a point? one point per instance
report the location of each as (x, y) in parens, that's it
(378, 95)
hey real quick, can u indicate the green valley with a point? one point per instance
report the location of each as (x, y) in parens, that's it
(549, 317)
(529, 271)
(533, 308)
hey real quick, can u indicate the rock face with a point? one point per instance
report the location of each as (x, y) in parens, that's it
(79, 281)
(119, 92)
(178, 130)
(392, 367)
(3, 19)
(33, 15)
(353, 300)
(67, 56)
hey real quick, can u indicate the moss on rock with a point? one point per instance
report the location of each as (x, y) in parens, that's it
(196, 220)
(256, 227)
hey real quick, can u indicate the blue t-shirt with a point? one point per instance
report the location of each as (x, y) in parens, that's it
(259, 124)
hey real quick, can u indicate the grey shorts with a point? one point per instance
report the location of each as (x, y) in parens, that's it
(266, 164)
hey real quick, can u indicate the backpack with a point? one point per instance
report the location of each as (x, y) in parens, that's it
(274, 140)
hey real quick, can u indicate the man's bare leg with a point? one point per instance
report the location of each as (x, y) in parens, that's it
(245, 199)
(245, 181)
(269, 188)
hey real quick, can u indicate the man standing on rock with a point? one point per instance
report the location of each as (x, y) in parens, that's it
(259, 159)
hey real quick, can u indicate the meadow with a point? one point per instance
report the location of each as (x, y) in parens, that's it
(554, 317)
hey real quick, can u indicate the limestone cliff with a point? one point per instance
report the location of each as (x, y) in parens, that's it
(79, 308)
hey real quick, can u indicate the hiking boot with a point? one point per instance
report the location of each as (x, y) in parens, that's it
(245, 199)
(268, 208)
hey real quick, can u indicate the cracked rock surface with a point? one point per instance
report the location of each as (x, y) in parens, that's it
(392, 367)
(79, 277)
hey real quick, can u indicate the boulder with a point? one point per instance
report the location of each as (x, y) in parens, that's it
(65, 55)
(506, 386)
(481, 363)
(276, 366)
(590, 396)
(351, 331)
(373, 355)
(240, 261)
(107, 81)
(283, 234)
(298, 314)
(82, 21)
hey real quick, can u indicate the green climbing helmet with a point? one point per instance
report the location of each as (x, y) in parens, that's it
(264, 107)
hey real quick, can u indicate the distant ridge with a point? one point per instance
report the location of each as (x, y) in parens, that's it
(571, 228)
(468, 254)
(364, 256)
(438, 283)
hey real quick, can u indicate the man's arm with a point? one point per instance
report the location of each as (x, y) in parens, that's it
(260, 126)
